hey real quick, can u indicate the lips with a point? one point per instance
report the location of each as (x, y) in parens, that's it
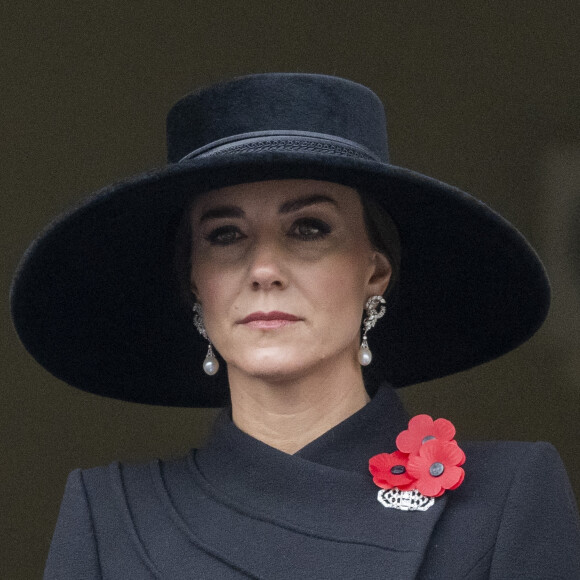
(274, 315)
(265, 320)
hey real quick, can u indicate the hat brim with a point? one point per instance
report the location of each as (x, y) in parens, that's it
(95, 299)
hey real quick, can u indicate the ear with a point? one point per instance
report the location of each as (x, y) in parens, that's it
(193, 288)
(380, 274)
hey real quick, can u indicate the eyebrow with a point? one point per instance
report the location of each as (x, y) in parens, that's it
(222, 211)
(234, 211)
(296, 204)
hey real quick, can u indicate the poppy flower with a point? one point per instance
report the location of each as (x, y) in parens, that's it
(389, 470)
(436, 467)
(421, 429)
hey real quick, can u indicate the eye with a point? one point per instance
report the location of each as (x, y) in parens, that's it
(309, 229)
(224, 236)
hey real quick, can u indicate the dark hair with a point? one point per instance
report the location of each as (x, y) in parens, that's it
(383, 235)
(380, 228)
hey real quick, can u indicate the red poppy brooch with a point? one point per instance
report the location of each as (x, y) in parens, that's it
(427, 462)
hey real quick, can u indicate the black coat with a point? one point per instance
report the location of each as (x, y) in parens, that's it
(238, 508)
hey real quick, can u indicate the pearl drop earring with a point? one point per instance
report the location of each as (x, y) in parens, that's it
(211, 364)
(365, 356)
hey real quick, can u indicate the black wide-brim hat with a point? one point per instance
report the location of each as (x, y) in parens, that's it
(96, 301)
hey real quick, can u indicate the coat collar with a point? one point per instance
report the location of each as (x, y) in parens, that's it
(325, 490)
(250, 510)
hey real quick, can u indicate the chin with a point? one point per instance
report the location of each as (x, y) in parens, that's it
(264, 361)
(275, 366)
(275, 369)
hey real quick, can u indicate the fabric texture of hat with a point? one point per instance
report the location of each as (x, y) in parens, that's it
(96, 302)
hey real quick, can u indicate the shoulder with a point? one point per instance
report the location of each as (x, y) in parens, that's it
(494, 470)
(517, 486)
(126, 477)
(506, 457)
(497, 463)
(106, 520)
(114, 493)
(515, 451)
(114, 509)
(514, 516)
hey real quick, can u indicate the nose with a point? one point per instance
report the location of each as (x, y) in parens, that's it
(267, 267)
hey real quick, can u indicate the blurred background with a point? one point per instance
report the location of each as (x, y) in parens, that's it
(482, 95)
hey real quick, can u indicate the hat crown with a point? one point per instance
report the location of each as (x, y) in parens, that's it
(278, 102)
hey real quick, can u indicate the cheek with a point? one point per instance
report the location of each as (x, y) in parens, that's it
(217, 290)
(340, 289)
(208, 285)
(348, 274)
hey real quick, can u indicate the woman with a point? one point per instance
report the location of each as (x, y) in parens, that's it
(281, 224)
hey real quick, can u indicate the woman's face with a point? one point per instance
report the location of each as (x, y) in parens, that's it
(282, 270)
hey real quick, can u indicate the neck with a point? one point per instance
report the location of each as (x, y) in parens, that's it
(289, 414)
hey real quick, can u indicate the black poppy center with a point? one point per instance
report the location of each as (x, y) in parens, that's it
(437, 469)
(398, 469)
(428, 438)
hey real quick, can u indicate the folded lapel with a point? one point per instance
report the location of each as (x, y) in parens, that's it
(360, 536)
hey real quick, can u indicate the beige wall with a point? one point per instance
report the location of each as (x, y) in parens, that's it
(482, 95)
